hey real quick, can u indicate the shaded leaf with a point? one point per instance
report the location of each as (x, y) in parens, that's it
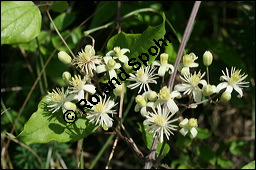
(63, 20)
(148, 140)
(20, 21)
(59, 6)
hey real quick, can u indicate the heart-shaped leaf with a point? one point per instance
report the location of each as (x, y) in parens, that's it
(44, 126)
(140, 43)
(20, 21)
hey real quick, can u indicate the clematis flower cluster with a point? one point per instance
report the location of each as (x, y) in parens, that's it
(159, 107)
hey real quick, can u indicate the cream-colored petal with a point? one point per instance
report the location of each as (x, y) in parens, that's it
(172, 106)
(184, 131)
(184, 122)
(124, 50)
(239, 90)
(112, 73)
(185, 70)
(197, 95)
(101, 68)
(124, 59)
(193, 132)
(161, 71)
(89, 88)
(110, 53)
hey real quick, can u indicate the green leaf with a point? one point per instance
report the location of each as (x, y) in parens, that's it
(102, 9)
(203, 133)
(250, 165)
(63, 20)
(148, 140)
(139, 43)
(224, 163)
(44, 126)
(206, 154)
(59, 6)
(20, 21)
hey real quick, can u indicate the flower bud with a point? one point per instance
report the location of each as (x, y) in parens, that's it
(207, 58)
(64, 57)
(111, 63)
(89, 49)
(118, 90)
(69, 106)
(208, 90)
(152, 96)
(66, 76)
(164, 58)
(226, 96)
(140, 100)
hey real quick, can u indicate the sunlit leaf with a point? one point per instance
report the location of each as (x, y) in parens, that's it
(44, 126)
(20, 21)
(250, 165)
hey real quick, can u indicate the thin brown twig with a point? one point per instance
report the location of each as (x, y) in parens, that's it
(28, 148)
(186, 35)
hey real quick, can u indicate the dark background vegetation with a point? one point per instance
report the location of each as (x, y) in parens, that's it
(225, 28)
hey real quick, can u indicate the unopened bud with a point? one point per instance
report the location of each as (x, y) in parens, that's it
(64, 57)
(152, 96)
(140, 100)
(89, 49)
(66, 76)
(207, 58)
(118, 90)
(226, 96)
(69, 106)
(208, 90)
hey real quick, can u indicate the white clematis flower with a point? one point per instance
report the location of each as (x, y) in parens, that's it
(142, 104)
(164, 96)
(191, 85)
(57, 99)
(234, 81)
(160, 122)
(163, 65)
(142, 78)
(86, 60)
(188, 62)
(110, 66)
(100, 114)
(79, 86)
(189, 126)
(118, 53)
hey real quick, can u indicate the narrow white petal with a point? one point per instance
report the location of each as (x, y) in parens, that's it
(185, 71)
(101, 68)
(112, 73)
(124, 59)
(161, 71)
(184, 131)
(172, 106)
(197, 95)
(89, 88)
(193, 132)
(183, 122)
(239, 90)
